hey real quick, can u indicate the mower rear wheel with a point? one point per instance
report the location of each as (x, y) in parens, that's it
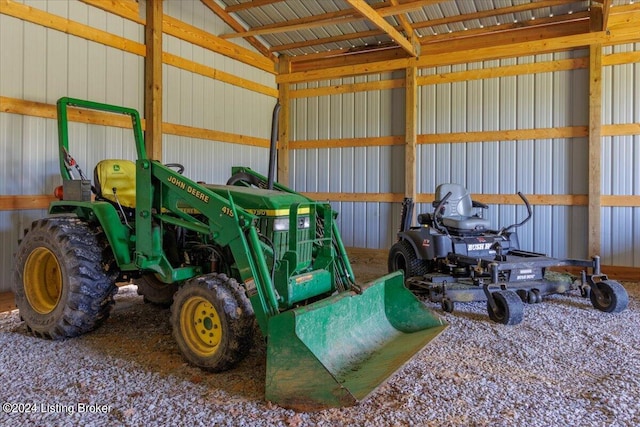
(403, 257)
(212, 321)
(62, 280)
(447, 305)
(614, 297)
(509, 308)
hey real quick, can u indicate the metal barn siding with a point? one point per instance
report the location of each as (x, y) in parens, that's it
(42, 65)
(621, 160)
(543, 166)
(193, 100)
(376, 169)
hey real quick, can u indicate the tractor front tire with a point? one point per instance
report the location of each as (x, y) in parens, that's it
(403, 257)
(212, 321)
(62, 283)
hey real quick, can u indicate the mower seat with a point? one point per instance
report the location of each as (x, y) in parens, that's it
(456, 214)
(116, 179)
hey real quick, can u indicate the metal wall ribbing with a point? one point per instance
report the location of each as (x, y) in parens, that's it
(41, 65)
(541, 166)
(194, 100)
(351, 170)
(621, 160)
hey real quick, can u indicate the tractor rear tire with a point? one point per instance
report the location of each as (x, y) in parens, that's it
(212, 321)
(62, 280)
(403, 257)
(155, 291)
(614, 297)
(510, 308)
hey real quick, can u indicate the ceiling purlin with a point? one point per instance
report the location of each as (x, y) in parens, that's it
(331, 18)
(449, 20)
(249, 5)
(368, 12)
(338, 17)
(230, 21)
(491, 12)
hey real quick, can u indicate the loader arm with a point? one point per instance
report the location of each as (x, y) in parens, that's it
(164, 196)
(331, 342)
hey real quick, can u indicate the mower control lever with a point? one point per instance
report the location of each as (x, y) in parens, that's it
(524, 221)
(437, 214)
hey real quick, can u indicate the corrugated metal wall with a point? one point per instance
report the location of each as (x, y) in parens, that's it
(621, 160)
(352, 170)
(541, 166)
(42, 65)
(193, 100)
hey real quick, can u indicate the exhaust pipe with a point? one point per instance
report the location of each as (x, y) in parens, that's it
(272, 147)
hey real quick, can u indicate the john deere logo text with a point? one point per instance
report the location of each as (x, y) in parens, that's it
(189, 189)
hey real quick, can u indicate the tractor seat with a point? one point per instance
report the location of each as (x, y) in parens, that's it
(456, 214)
(116, 178)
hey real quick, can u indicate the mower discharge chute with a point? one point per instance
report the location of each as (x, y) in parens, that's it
(453, 256)
(222, 256)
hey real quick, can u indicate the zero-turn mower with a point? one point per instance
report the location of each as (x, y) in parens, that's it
(453, 255)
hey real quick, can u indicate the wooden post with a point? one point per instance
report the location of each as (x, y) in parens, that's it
(283, 123)
(411, 131)
(153, 80)
(595, 149)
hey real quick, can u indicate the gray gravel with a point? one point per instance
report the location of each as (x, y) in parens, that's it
(566, 364)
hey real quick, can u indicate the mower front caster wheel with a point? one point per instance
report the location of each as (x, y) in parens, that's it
(612, 298)
(509, 308)
(447, 305)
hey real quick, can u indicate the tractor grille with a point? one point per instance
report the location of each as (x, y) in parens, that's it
(280, 240)
(281, 243)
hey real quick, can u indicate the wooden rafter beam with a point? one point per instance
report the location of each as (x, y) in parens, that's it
(230, 21)
(447, 37)
(249, 5)
(599, 12)
(491, 13)
(406, 25)
(373, 16)
(343, 16)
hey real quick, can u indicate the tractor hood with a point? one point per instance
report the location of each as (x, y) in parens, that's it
(258, 201)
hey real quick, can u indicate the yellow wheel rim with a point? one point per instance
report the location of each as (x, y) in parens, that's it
(200, 325)
(42, 280)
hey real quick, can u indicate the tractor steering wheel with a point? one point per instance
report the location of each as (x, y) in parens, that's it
(178, 166)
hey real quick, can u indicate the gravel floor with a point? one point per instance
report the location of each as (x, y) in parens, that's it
(566, 364)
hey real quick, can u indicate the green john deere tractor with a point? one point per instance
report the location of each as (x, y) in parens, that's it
(222, 256)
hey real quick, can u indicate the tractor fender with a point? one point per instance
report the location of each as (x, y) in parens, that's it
(421, 241)
(106, 215)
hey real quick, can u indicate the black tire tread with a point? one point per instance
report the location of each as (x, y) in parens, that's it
(510, 308)
(239, 318)
(617, 297)
(414, 266)
(90, 296)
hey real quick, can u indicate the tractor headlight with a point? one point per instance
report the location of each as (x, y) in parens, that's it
(303, 222)
(282, 224)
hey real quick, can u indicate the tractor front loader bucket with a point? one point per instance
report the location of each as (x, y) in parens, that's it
(336, 351)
